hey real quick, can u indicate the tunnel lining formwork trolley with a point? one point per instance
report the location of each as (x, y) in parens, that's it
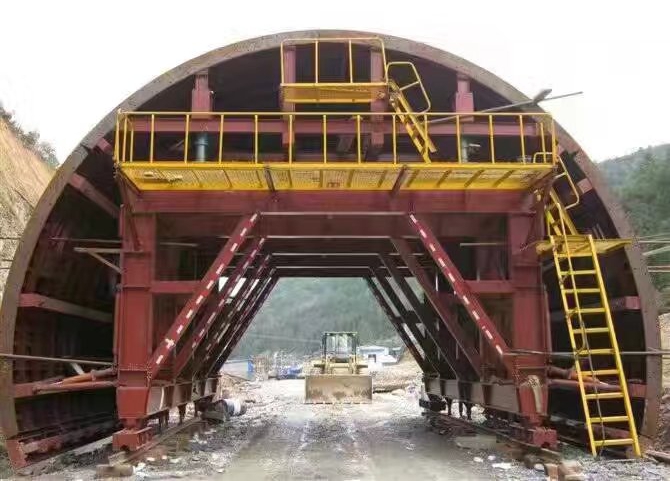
(327, 154)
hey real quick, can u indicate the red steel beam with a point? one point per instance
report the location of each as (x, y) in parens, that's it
(84, 187)
(470, 302)
(223, 321)
(301, 203)
(56, 305)
(428, 345)
(215, 308)
(174, 287)
(397, 325)
(211, 278)
(448, 320)
(246, 319)
(301, 125)
(217, 345)
(446, 343)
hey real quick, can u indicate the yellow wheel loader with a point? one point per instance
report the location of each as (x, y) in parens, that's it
(339, 376)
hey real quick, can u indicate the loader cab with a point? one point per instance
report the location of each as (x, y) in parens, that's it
(339, 345)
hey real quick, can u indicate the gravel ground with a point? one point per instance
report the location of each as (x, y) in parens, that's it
(280, 438)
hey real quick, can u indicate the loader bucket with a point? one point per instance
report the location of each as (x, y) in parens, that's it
(338, 388)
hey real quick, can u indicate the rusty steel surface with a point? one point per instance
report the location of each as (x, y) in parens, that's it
(59, 303)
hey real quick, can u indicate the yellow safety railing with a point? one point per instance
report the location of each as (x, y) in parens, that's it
(373, 42)
(416, 83)
(536, 144)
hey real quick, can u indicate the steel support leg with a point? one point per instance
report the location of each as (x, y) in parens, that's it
(215, 308)
(220, 332)
(447, 346)
(202, 292)
(448, 320)
(397, 324)
(429, 345)
(470, 302)
(245, 321)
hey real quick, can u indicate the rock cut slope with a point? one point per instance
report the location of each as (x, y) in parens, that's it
(23, 178)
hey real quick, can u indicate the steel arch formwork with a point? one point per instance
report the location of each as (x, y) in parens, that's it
(206, 174)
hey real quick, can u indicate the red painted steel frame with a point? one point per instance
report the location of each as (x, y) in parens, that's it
(447, 344)
(215, 308)
(471, 303)
(245, 320)
(203, 291)
(225, 323)
(429, 344)
(445, 316)
(397, 324)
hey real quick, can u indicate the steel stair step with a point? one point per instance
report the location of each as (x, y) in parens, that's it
(596, 352)
(600, 372)
(588, 310)
(591, 330)
(614, 442)
(582, 290)
(584, 272)
(609, 419)
(603, 395)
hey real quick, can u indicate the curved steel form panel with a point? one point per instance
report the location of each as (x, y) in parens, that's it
(60, 302)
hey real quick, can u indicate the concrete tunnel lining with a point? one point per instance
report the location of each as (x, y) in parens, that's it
(24, 254)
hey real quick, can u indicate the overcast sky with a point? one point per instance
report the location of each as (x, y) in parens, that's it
(65, 64)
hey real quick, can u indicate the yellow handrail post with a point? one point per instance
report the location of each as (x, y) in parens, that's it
(125, 137)
(493, 144)
(523, 140)
(255, 138)
(394, 139)
(426, 137)
(325, 139)
(542, 139)
(316, 61)
(458, 139)
(117, 136)
(221, 138)
(290, 138)
(351, 63)
(554, 154)
(358, 138)
(187, 128)
(281, 63)
(151, 140)
(132, 141)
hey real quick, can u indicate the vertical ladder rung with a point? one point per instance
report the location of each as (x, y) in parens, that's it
(610, 419)
(596, 352)
(614, 442)
(583, 290)
(600, 372)
(591, 330)
(604, 395)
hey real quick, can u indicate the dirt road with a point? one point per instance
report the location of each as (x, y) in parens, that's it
(383, 440)
(280, 438)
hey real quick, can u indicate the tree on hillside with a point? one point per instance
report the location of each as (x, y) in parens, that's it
(30, 140)
(646, 197)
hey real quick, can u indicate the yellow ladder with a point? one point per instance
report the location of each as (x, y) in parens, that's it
(589, 321)
(416, 129)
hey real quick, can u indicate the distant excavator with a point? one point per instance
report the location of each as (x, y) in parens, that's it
(339, 376)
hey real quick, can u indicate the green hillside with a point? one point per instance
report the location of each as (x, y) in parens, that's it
(642, 182)
(299, 310)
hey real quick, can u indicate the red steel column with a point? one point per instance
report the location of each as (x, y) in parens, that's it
(134, 317)
(530, 320)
